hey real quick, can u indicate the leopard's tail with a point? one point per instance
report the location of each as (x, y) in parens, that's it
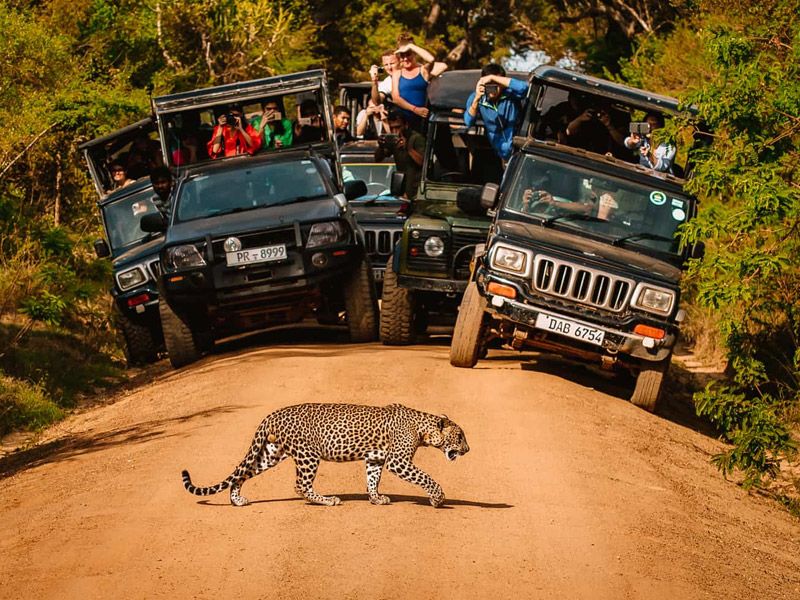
(204, 491)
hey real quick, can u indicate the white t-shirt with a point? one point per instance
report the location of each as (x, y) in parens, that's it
(362, 115)
(385, 86)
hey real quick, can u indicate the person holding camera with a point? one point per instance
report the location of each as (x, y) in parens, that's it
(659, 158)
(382, 90)
(371, 121)
(498, 100)
(233, 135)
(275, 130)
(407, 146)
(308, 127)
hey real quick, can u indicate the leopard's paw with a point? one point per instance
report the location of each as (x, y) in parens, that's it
(380, 499)
(331, 500)
(437, 498)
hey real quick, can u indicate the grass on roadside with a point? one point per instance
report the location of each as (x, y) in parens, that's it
(46, 372)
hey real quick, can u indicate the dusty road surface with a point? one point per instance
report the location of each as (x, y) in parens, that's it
(568, 491)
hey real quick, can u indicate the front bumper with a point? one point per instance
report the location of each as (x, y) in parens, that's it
(431, 284)
(617, 345)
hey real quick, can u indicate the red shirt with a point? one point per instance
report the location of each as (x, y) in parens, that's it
(233, 142)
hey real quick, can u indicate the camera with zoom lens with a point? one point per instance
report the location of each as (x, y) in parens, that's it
(381, 70)
(388, 140)
(491, 88)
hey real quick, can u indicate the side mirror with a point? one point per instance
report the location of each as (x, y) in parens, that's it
(101, 249)
(354, 189)
(489, 195)
(469, 201)
(153, 223)
(398, 183)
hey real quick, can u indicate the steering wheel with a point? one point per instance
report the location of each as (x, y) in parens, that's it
(452, 177)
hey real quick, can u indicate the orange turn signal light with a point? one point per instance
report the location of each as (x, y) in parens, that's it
(175, 278)
(499, 289)
(647, 331)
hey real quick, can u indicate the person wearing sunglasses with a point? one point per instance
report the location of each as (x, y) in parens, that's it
(410, 80)
(119, 176)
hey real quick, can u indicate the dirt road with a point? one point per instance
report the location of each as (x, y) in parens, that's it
(568, 491)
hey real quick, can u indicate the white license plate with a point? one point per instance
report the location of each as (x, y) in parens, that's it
(256, 255)
(570, 329)
(377, 274)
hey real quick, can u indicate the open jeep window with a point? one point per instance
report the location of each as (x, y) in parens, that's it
(377, 176)
(248, 187)
(292, 119)
(457, 154)
(134, 149)
(621, 212)
(122, 218)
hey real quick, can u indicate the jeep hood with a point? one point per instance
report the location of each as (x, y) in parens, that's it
(258, 219)
(375, 213)
(563, 242)
(139, 253)
(454, 216)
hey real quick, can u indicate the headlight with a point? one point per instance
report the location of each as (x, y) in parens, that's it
(510, 260)
(131, 278)
(184, 257)
(434, 246)
(654, 300)
(323, 234)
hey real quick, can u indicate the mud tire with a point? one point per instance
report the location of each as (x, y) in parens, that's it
(465, 348)
(397, 311)
(361, 305)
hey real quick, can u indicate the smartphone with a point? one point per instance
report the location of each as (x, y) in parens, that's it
(641, 129)
(304, 121)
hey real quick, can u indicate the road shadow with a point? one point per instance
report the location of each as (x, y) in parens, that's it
(396, 499)
(675, 405)
(73, 446)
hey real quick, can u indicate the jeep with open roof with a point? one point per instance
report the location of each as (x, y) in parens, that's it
(429, 267)
(133, 252)
(582, 258)
(262, 240)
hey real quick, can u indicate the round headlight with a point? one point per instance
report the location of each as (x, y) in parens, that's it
(434, 246)
(232, 244)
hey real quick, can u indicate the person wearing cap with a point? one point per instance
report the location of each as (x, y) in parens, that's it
(498, 100)
(410, 81)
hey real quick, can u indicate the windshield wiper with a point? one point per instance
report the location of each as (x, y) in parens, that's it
(641, 236)
(571, 217)
(299, 199)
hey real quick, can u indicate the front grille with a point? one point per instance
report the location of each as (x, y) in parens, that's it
(464, 242)
(154, 267)
(285, 235)
(581, 284)
(380, 242)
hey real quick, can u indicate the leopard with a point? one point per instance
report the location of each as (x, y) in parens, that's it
(382, 436)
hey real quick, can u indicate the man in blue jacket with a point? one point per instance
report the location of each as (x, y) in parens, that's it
(499, 100)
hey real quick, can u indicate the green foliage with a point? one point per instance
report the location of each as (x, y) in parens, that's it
(45, 307)
(24, 406)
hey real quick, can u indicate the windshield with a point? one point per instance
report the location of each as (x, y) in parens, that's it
(257, 186)
(623, 212)
(377, 176)
(122, 218)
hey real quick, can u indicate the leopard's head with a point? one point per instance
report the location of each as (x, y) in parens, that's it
(448, 437)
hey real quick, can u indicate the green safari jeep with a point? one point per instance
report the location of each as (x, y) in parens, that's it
(427, 273)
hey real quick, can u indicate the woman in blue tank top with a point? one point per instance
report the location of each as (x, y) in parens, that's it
(410, 80)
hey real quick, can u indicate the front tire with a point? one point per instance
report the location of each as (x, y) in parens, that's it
(397, 311)
(468, 333)
(649, 381)
(361, 306)
(141, 343)
(181, 340)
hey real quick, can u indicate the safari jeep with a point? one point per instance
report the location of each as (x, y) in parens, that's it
(133, 252)
(429, 267)
(255, 241)
(582, 258)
